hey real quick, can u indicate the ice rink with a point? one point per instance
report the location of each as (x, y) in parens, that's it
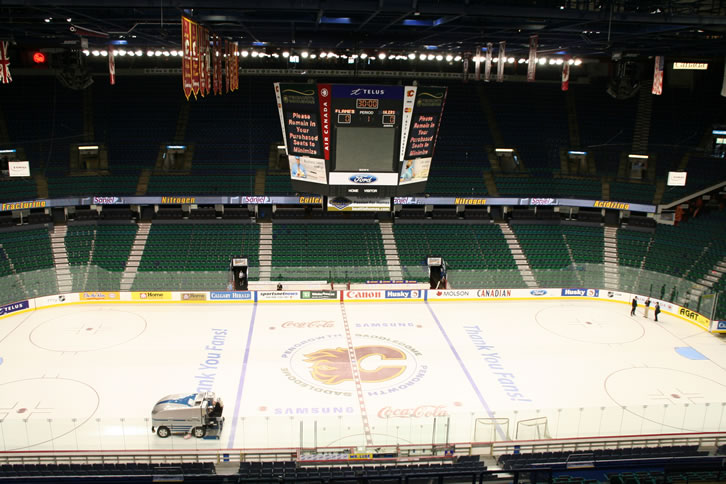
(356, 373)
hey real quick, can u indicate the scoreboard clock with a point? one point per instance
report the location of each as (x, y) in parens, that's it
(359, 141)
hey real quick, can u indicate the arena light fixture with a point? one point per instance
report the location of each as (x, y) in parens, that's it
(457, 58)
(139, 53)
(382, 55)
(521, 60)
(449, 58)
(86, 52)
(166, 53)
(439, 57)
(559, 62)
(254, 53)
(104, 53)
(422, 57)
(363, 55)
(578, 62)
(542, 61)
(323, 55)
(157, 53)
(504, 150)
(305, 54)
(95, 53)
(313, 56)
(510, 60)
(130, 53)
(430, 57)
(286, 54)
(87, 147)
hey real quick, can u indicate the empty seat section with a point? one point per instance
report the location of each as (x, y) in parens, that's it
(335, 252)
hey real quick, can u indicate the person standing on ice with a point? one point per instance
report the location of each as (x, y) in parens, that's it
(647, 307)
(635, 305)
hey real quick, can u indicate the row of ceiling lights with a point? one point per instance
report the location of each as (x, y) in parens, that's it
(332, 55)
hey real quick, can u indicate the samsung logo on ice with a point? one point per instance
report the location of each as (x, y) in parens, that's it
(360, 90)
(363, 178)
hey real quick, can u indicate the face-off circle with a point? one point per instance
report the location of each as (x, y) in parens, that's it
(382, 364)
(88, 331)
(570, 322)
(670, 398)
(37, 410)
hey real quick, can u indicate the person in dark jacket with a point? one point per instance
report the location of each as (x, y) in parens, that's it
(657, 310)
(635, 305)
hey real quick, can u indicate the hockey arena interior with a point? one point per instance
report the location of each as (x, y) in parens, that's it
(363, 241)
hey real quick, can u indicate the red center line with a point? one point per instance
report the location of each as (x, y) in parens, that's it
(356, 377)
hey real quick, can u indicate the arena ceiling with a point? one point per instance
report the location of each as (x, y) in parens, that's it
(684, 28)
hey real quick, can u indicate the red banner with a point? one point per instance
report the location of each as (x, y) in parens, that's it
(501, 60)
(202, 61)
(532, 63)
(566, 74)
(658, 75)
(227, 67)
(187, 56)
(111, 67)
(235, 74)
(207, 62)
(324, 96)
(5, 76)
(217, 64)
(195, 58)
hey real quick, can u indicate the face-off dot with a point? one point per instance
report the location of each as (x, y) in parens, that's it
(21, 410)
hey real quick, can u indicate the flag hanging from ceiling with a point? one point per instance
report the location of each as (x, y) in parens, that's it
(501, 60)
(202, 63)
(532, 63)
(488, 63)
(477, 63)
(5, 76)
(466, 67)
(195, 58)
(658, 75)
(111, 67)
(187, 56)
(566, 74)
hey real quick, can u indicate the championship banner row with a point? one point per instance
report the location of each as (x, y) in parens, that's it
(374, 294)
(338, 203)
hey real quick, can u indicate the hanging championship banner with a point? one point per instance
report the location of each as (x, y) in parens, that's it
(195, 58)
(532, 63)
(202, 61)
(466, 68)
(217, 64)
(723, 86)
(207, 61)
(111, 67)
(187, 56)
(488, 63)
(227, 67)
(566, 73)
(235, 66)
(501, 60)
(658, 75)
(477, 63)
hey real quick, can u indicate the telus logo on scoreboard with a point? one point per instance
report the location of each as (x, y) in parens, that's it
(363, 178)
(367, 92)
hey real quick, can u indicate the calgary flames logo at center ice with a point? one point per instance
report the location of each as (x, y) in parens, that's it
(332, 366)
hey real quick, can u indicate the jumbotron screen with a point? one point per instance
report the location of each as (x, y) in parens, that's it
(359, 140)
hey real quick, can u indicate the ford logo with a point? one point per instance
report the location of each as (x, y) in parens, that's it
(363, 178)
(538, 292)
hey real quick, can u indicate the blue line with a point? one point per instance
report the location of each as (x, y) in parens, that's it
(241, 385)
(466, 372)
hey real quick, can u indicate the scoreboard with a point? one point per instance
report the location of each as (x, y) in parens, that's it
(359, 140)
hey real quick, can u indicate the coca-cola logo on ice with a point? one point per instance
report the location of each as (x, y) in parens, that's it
(422, 411)
(308, 324)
